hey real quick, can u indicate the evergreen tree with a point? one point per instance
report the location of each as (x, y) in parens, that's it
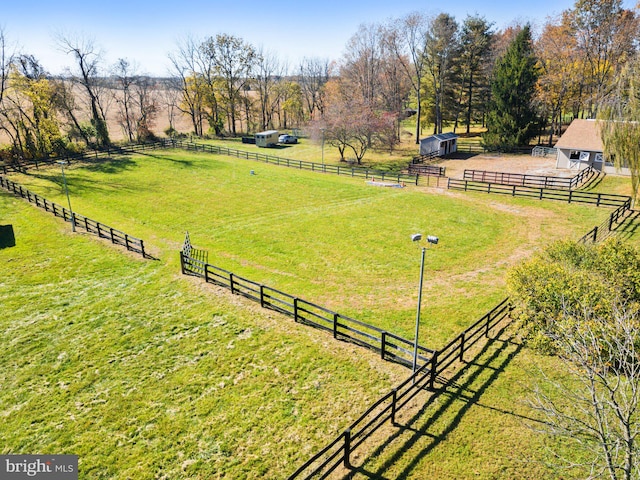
(512, 119)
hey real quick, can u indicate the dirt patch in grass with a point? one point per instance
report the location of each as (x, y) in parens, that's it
(524, 164)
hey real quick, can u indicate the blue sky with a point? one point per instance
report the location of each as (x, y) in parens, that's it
(145, 32)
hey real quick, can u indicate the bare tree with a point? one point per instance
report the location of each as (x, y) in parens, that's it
(595, 405)
(268, 72)
(185, 63)
(124, 74)
(87, 76)
(314, 74)
(406, 38)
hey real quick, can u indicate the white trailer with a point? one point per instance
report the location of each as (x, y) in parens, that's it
(267, 139)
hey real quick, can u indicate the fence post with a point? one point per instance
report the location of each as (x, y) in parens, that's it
(335, 325)
(126, 239)
(434, 367)
(231, 283)
(295, 309)
(86, 224)
(571, 195)
(461, 357)
(383, 343)
(206, 273)
(262, 296)
(486, 332)
(347, 448)
(111, 233)
(595, 234)
(98, 225)
(394, 395)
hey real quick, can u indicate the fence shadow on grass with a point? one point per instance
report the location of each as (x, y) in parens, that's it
(461, 387)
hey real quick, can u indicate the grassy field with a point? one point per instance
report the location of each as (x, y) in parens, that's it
(145, 373)
(330, 240)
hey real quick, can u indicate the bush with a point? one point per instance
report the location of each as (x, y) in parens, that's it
(567, 279)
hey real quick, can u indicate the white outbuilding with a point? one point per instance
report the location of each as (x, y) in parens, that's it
(580, 146)
(443, 143)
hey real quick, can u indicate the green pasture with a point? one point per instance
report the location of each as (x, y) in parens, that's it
(331, 240)
(146, 373)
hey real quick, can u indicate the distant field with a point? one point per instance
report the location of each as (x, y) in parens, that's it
(330, 240)
(145, 373)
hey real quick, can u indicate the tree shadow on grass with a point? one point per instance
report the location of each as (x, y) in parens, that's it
(459, 393)
(111, 165)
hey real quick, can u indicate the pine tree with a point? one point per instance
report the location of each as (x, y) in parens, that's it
(512, 119)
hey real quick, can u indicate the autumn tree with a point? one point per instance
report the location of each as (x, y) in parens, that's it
(560, 76)
(233, 61)
(269, 70)
(512, 119)
(580, 303)
(606, 37)
(29, 110)
(619, 126)
(186, 63)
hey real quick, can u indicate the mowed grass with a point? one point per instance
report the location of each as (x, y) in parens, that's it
(331, 240)
(145, 373)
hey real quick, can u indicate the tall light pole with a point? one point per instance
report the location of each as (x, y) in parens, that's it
(322, 130)
(416, 237)
(62, 163)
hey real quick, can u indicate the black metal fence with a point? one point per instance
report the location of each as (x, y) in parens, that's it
(79, 221)
(535, 181)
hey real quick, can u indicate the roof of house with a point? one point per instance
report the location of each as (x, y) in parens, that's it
(441, 137)
(583, 135)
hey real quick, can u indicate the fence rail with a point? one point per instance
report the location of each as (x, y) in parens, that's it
(427, 170)
(570, 196)
(535, 181)
(540, 151)
(117, 237)
(608, 227)
(390, 347)
(365, 173)
(24, 165)
(338, 452)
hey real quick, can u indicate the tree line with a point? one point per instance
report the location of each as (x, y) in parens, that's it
(431, 71)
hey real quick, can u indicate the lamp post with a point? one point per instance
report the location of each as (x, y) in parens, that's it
(416, 237)
(322, 130)
(62, 163)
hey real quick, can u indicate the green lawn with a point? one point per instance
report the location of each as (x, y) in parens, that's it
(146, 373)
(331, 240)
